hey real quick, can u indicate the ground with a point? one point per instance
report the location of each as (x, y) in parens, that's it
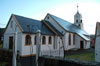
(3, 61)
(85, 55)
(1, 45)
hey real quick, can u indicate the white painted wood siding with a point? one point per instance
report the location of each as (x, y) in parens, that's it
(66, 45)
(97, 47)
(54, 23)
(10, 32)
(31, 49)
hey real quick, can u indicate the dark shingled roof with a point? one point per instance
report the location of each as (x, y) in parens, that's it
(31, 26)
(70, 27)
(59, 33)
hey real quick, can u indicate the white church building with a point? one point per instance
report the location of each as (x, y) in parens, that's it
(57, 35)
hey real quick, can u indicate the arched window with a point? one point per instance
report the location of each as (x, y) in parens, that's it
(69, 39)
(27, 40)
(73, 39)
(79, 25)
(81, 21)
(43, 40)
(35, 40)
(50, 40)
(76, 21)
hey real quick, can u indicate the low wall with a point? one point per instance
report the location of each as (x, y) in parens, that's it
(55, 52)
(28, 61)
(5, 57)
(56, 61)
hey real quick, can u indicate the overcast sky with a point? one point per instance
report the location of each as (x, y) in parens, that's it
(65, 9)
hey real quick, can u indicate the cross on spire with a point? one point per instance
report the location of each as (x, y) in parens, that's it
(77, 7)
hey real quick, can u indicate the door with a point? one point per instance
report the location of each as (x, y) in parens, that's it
(11, 42)
(81, 44)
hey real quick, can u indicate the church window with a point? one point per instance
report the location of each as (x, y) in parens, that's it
(69, 39)
(50, 40)
(76, 21)
(43, 40)
(28, 40)
(73, 39)
(35, 40)
(81, 21)
(79, 25)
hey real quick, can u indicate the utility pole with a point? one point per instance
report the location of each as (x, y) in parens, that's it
(38, 42)
(15, 50)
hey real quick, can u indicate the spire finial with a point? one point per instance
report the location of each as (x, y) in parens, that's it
(77, 7)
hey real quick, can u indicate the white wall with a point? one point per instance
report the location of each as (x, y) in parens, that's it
(55, 24)
(10, 32)
(66, 41)
(27, 49)
(97, 47)
(47, 46)
(86, 43)
(77, 42)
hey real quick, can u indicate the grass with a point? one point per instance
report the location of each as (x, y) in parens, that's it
(1, 45)
(86, 57)
(3, 63)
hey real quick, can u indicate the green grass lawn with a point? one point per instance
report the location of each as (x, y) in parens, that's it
(3, 63)
(1, 45)
(86, 56)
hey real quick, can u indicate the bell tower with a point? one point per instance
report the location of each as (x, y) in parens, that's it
(78, 19)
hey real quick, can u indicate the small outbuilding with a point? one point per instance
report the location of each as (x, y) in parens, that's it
(97, 42)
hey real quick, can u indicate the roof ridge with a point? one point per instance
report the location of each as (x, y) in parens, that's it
(25, 17)
(59, 18)
(68, 26)
(66, 21)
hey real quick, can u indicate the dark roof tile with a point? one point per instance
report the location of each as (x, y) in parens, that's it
(70, 27)
(31, 25)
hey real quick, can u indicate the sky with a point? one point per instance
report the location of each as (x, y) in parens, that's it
(65, 9)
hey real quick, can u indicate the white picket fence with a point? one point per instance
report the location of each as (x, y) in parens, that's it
(59, 53)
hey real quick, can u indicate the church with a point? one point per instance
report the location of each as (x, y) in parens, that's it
(57, 35)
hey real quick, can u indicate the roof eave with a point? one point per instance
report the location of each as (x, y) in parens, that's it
(17, 23)
(50, 27)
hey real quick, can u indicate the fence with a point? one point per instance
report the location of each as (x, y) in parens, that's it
(5, 57)
(58, 61)
(56, 52)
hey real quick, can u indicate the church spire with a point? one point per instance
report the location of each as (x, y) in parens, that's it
(77, 8)
(78, 19)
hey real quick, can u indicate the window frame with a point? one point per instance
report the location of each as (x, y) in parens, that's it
(34, 40)
(50, 40)
(43, 40)
(69, 39)
(73, 39)
(28, 40)
(77, 21)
